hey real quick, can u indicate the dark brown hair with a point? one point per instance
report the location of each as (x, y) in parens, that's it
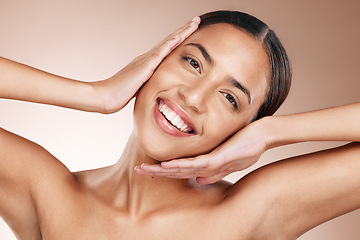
(280, 70)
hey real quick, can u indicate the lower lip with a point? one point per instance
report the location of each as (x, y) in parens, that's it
(166, 126)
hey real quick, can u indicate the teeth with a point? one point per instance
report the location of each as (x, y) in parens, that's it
(161, 106)
(172, 117)
(174, 120)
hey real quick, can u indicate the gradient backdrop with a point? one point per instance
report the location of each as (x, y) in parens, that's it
(92, 39)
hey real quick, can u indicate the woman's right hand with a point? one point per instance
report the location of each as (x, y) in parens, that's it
(25, 83)
(116, 91)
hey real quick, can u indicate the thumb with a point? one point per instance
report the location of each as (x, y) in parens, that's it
(212, 179)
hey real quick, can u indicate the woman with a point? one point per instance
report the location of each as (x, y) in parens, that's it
(201, 94)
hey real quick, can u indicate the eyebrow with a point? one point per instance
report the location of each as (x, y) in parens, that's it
(232, 80)
(238, 85)
(203, 52)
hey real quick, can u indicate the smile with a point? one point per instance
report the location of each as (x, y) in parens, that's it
(171, 119)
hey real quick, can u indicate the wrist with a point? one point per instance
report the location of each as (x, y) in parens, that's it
(270, 131)
(282, 130)
(101, 103)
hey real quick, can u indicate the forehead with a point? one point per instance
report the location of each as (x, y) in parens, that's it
(231, 45)
(236, 52)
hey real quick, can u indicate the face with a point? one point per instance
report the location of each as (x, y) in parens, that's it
(208, 88)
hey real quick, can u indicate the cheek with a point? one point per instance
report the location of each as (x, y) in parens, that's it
(219, 123)
(159, 146)
(222, 124)
(152, 141)
(169, 73)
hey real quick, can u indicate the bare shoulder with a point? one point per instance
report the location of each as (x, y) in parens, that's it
(291, 196)
(23, 159)
(28, 174)
(245, 205)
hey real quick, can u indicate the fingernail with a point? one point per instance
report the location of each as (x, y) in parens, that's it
(166, 165)
(194, 21)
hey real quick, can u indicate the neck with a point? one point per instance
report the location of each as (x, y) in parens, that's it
(139, 193)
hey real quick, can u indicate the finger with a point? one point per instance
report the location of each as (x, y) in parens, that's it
(188, 176)
(138, 170)
(186, 173)
(151, 60)
(185, 30)
(188, 30)
(202, 161)
(161, 50)
(212, 179)
(170, 175)
(156, 168)
(158, 54)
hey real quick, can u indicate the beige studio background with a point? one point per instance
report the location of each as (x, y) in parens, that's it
(92, 39)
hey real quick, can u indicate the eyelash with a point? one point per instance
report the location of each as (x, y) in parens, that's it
(228, 96)
(231, 100)
(193, 62)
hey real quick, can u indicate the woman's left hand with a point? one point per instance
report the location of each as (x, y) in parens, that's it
(239, 152)
(245, 147)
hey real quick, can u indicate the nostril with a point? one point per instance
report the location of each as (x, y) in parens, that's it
(193, 98)
(182, 93)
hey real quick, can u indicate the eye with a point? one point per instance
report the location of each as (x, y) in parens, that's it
(231, 100)
(193, 63)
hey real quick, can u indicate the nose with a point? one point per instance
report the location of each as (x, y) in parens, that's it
(194, 97)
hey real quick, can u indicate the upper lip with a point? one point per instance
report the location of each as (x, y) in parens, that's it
(179, 111)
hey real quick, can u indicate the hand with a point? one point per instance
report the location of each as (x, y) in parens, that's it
(119, 89)
(239, 152)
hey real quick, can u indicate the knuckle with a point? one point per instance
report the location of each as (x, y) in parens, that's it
(213, 165)
(156, 54)
(208, 163)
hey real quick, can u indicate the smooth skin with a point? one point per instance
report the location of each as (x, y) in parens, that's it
(204, 91)
(246, 147)
(41, 199)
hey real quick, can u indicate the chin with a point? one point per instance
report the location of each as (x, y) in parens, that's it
(153, 149)
(159, 147)
(154, 142)
(160, 150)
